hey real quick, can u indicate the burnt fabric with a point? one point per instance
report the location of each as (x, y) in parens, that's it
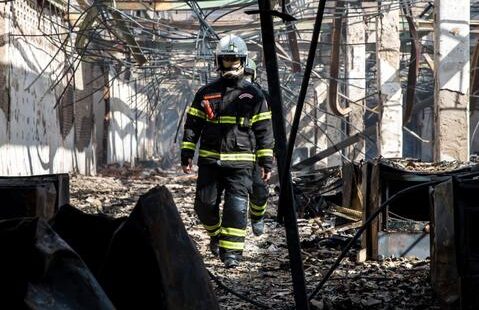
(236, 182)
(40, 271)
(153, 264)
(88, 234)
(240, 132)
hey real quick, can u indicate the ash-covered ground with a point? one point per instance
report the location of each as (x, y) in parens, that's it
(393, 283)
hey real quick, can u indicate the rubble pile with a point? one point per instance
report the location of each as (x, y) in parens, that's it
(428, 167)
(393, 283)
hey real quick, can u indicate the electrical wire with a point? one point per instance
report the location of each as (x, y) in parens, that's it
(233, 292)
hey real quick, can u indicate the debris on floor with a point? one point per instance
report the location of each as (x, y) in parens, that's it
(392, 283)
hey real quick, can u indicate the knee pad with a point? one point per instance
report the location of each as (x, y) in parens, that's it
(235, 210)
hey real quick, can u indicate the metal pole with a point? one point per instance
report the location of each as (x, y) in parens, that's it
(287, 208)
(274, 88)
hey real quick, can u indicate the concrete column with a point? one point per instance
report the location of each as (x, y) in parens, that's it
(334, 136)
(356, 75)
(388, 45)
(451, 97)
(321, 93)
(426, 133)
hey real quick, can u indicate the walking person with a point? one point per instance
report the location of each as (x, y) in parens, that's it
(230, 120)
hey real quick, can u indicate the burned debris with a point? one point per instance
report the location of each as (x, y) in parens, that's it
(92, 261)
(372, 172)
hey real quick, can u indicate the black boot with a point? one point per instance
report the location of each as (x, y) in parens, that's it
(214, 245)
(258, 227)
(231, 260)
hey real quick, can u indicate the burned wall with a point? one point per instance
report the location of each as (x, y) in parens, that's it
(47, 126)
(129, 133)
(32, 141)
(170, 120)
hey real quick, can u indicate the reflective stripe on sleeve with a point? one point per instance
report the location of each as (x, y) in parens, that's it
(260, 117)
(264, 153)
(188, 145)
(196, 112)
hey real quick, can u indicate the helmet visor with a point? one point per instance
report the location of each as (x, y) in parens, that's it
(230, 58)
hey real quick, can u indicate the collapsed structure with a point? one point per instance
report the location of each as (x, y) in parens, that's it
(90, 84)
(94, 84)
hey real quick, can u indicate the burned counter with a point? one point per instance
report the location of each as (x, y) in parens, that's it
(438, 220)
(33, 196)
(402, 229)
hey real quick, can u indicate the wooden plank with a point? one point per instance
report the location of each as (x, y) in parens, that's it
(357, 202)
(373, 204)
(444, 273)
(347, 175)
(366, 173)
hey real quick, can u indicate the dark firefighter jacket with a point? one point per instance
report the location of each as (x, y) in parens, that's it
(238, 135)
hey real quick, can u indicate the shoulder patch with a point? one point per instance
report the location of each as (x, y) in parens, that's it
(246, 95)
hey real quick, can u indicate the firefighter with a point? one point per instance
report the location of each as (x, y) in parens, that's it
(230, 120)
(259, 196)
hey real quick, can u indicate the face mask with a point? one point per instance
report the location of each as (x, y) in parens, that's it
(248, 78)
(232, 68)
(231, 64)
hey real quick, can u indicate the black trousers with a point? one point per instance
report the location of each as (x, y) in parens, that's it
(231, 227)
(259, 196)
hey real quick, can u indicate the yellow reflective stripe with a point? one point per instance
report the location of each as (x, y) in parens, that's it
(235, 232)
(212, 227)
(231, 245)
(196, 112)
(264, 153)
(261, 213)
(205, 153)
(226, 120)
(260, 117)
(215, 233)
(258, 208)
(228, 157)
(188, 145)
(239, 156)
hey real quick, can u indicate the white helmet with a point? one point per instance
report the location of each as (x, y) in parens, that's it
(233, 46)
(250, 69)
